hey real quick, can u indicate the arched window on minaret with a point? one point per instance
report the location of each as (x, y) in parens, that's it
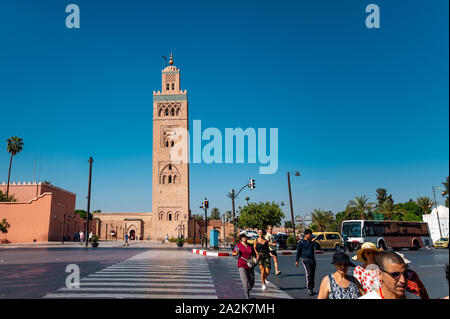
(173, 86)
(164, 179)
(167, 86)
(173, 143)
(167, 143)
(169, 216)
(166, 112)
(174, 178)
(178, 111)
(172, 112)
(169, 180)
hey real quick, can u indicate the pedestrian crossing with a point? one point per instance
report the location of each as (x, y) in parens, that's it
(271, 291)
(163, 274)
(152, 274)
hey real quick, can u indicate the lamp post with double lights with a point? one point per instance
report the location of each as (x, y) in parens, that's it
(296, 173)
(233, 196)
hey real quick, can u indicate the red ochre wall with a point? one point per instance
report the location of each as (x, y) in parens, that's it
(40, 218)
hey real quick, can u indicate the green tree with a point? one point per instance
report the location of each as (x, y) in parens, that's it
(411, 217)
(445, 192)
(425, 203)
(288, 224)
(322, 219)
(198, 216)
(228, 215)
(215, 214)
(361, 205)
(3, 198)
(260, 215)
(14, 147)
(82, 214)
(4, 225)
(381, 196)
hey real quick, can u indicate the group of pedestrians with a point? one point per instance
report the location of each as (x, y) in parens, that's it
(381, 275)
(259, 254)
(81, 237)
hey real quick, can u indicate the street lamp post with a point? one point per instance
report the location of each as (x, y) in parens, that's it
(233, 195)
(290, 200)
(88, 201)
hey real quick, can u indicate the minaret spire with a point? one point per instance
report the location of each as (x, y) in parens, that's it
(171, 59)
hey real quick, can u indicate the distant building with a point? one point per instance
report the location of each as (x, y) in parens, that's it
(42, 212)
(432, 220)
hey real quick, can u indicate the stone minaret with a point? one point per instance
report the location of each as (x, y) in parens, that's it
(170, 199)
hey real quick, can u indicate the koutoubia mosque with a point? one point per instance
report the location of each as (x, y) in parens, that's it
(170, 182)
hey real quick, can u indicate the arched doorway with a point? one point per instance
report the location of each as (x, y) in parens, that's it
(132, 235)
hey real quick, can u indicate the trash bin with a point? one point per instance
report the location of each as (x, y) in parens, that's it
(214, 239)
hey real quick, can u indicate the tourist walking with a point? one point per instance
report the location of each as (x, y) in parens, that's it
(245, 253)
(90, 237)
(272, 248)
(126, 243)
(394, 276)
(81, 237)
(367, 273)
(261, 247)
(340, 285)
(305, 251)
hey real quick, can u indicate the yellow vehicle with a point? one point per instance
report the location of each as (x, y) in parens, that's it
(329, 240)
(441, 243)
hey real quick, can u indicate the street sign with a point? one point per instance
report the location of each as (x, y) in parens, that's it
(378, 216)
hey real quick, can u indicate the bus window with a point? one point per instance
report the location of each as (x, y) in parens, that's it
(352, 229)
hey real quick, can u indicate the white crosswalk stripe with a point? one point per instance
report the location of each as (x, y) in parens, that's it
(141, 277)
(271, 291)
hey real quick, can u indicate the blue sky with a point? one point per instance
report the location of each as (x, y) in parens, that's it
(356, 108)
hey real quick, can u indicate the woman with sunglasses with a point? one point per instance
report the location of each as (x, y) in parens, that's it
(367, 273)
(340, 285)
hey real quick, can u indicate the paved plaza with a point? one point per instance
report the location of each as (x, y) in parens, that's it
(152, 270)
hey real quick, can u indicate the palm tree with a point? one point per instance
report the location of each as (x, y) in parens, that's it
(15, 145)
(387, 209)
(425, 203)
(322, 218)
(361, 205)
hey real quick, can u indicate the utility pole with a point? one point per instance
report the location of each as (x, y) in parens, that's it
(290, 200)
(437, 212)
(193, 218)
(88, 201)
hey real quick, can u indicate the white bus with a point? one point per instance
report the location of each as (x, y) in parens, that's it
(386, 234)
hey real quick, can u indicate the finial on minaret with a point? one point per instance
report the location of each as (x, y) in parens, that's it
(171, 59)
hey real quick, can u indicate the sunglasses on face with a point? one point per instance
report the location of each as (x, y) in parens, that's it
(371, 252)
(408, 274)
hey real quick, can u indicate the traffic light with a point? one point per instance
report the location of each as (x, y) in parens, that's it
(251, 184)
(205, 204)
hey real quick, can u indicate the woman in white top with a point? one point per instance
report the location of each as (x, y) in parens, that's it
(367, 273)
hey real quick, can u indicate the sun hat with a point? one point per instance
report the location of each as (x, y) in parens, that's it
(407, 261)
(243, 234)
(340, 257)
(364, 247)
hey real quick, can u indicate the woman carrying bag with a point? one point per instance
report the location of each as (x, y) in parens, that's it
(245, 263)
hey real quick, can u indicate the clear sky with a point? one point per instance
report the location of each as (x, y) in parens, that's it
(356, 108)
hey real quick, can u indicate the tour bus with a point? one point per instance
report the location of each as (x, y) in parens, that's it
(386, 234)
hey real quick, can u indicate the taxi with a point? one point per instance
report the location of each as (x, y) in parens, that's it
(441, 243)
(329, 240)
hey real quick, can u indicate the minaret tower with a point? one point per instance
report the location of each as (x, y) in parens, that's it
(170, 186)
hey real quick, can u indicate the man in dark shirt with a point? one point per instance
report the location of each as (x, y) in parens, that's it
(305, 250)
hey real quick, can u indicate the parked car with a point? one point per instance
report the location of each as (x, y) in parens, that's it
(281, 241)
(441, 243)
(329, 240)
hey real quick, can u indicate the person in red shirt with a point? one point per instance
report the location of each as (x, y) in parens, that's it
(245, 252)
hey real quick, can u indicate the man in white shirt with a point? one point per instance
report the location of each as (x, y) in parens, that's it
(394, 277)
